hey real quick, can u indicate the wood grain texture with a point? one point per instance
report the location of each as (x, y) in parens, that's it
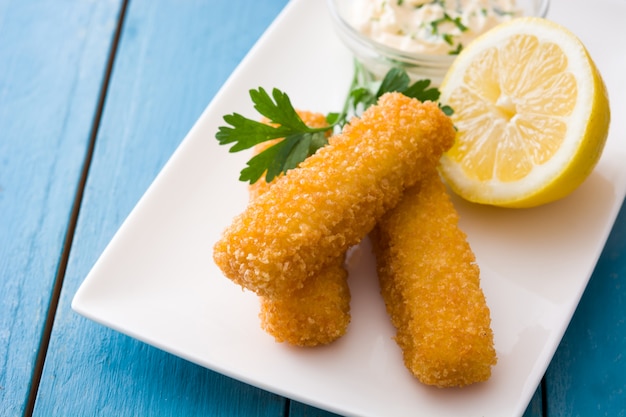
(172, 58)
(587, 376)
(52, 62)
(536, 406)
(302, 410)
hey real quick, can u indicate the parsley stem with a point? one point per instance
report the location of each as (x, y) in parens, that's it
(357, 80)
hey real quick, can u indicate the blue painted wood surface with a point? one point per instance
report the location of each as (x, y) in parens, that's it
(587, 374)
(172, 58)
(52, 62)
(151, 103)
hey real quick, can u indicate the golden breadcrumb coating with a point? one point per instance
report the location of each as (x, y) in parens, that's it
(335, 197)
(316, 314)
(431, 287)
(319, 312)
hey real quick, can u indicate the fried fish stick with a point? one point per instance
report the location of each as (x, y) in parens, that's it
(431, 287)
(334, 198)
(316, 314)
(319, 312)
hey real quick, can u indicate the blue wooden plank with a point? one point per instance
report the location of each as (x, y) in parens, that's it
(587, 376)
(536, 406)
(297, 409)
(52, 62)
(172, 58)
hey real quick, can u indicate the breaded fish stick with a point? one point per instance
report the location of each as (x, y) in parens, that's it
(317, 211)
(316, 314)
(319, 312)
(431, 287)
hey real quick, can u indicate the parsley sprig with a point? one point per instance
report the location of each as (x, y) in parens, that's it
(365, 93)
(301, 141)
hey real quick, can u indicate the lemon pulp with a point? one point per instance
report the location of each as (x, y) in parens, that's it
(532, 115)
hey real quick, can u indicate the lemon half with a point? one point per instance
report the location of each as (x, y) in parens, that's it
(532, 115)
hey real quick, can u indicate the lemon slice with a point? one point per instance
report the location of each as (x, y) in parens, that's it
(532, 115)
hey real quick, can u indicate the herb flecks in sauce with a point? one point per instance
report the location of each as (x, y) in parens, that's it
(437, 27)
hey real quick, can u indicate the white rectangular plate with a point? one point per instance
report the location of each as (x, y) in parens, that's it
(156, 280)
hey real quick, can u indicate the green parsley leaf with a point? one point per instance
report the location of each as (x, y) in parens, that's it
(395, 80)
(447, 110)
(398, 80)
(299, 140)
(281, 112)
(332, 118)
(362, 95)
(283, 156)
(420, 91)
(245, 132)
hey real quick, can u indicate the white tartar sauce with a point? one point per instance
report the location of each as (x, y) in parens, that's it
(429, 26)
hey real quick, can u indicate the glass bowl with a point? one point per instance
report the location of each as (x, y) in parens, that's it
(377, 58)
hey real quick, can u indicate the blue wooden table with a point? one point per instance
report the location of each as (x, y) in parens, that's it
(94, 98)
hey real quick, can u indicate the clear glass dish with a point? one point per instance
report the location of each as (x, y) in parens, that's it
(377, 58)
